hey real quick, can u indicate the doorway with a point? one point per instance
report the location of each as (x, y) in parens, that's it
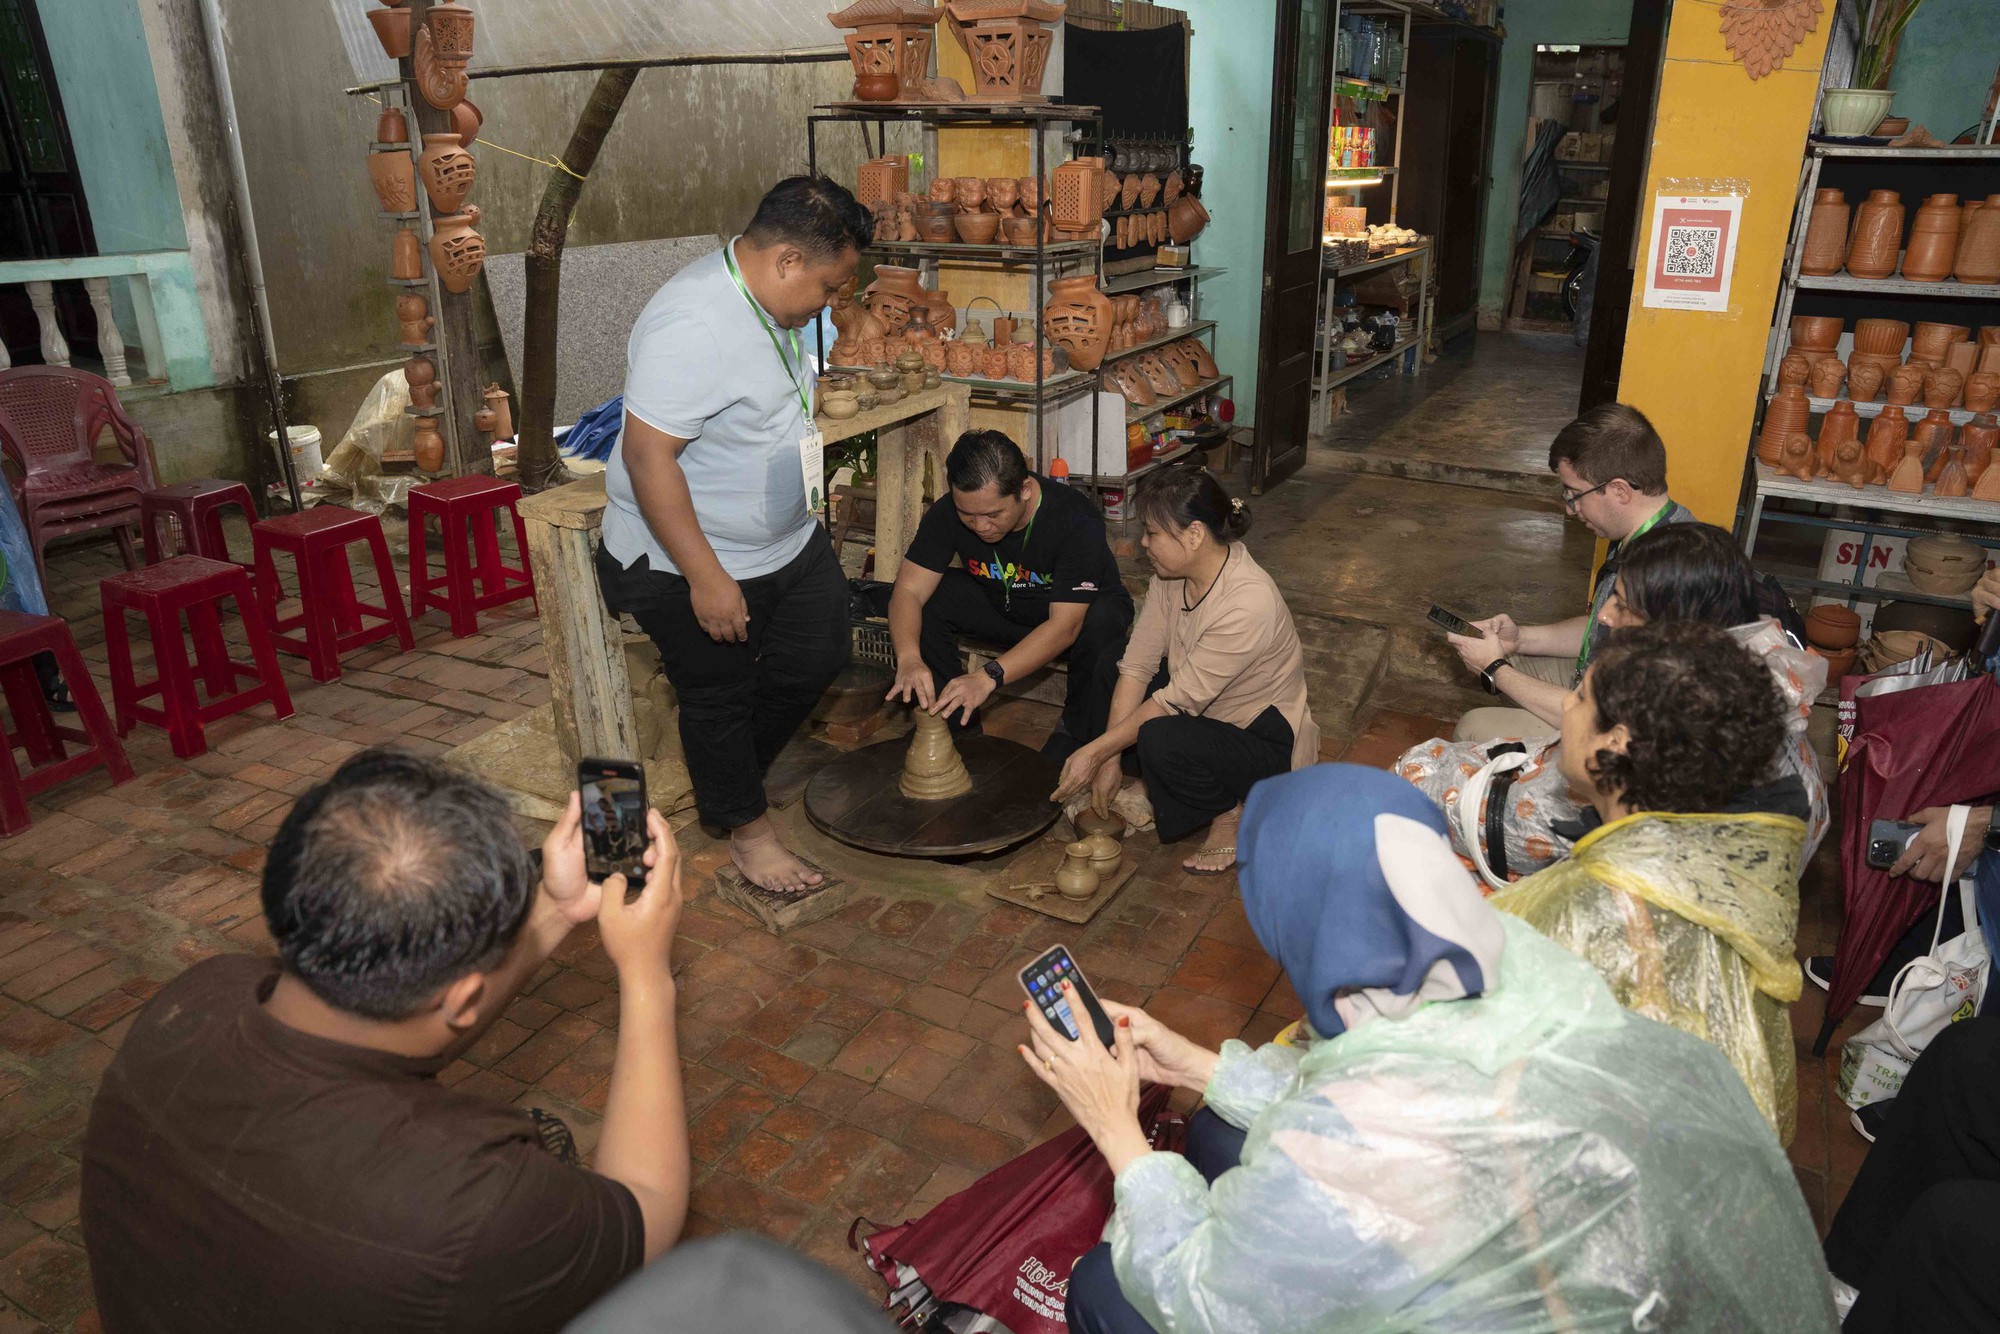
(43, 214)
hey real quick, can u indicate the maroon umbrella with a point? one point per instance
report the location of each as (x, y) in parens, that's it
(1934, 745)
(1004, 1245)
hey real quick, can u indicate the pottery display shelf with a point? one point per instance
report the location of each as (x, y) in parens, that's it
(960, 113)
(1192, 329)
(1159, 460)
(1821, 406)
(1145, 278)
(1331, 377)
(1054, 251)
(1134, 413)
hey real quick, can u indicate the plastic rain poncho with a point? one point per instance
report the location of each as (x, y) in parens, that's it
(1533, 1158)
(1539, 799)
(1690, 919)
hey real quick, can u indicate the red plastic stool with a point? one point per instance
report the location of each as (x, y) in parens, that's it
(197, 507)
(330, 613)
(35, 728)
(197, 586)
(466, 507)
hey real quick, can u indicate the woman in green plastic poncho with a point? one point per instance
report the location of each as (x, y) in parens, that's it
(1684, 895)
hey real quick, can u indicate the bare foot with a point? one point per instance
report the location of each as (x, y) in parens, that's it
(766, 863)
(1218, 851)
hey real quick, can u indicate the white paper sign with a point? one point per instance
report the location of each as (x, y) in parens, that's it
(1694, 251)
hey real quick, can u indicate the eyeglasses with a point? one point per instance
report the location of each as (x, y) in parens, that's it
(1572, 498)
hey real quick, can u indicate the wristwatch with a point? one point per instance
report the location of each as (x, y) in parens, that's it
(996, 671)
(1492, 668)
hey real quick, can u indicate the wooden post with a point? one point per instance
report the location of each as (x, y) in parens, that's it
(901, 448)
(589, 688)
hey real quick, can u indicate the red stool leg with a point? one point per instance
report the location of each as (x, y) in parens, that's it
(486, 548)
(266, 580)
(149, 524)
(177, 697)
(126, 550)
(322, 633)
(118, 648)
(458, 568)
(337, 577)
(211, 654)
(90, 710)
(32, 723)
(521, 546)
(392, 600)
(420, 555)
(13, 806)
(266, 659)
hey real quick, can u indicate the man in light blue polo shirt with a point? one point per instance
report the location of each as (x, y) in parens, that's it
(708, 539)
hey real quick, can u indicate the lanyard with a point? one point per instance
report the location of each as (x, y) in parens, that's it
(1590, 625)
(798, 346)
(1007, 580)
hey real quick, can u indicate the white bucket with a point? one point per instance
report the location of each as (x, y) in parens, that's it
(306, 461)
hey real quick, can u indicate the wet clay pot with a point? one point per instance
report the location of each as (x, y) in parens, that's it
(1864, 381)
(1784, 416)
(428, 445)
(1978, 258)
(1075, 880)
(1088, 822)
(1933, 243)
(1793, 369)
(1881, 337)
(1905, 383)
(1078, 319)
(1105, 855)
(1825, 245)
(414, 319)
(392, 29)
(1886, 436)
(1942, 387)
(394, 179)
(406, 256)
(1877, 237)
(1840, 425)
(1929, 342)
(391, 128)
(1982, 391)
(932, 770)
(1827, 376)
(448, 172)
(458, 252)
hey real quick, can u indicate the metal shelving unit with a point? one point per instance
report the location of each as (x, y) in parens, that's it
(1138, 282)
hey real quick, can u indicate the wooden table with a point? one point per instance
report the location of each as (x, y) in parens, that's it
(590, 690)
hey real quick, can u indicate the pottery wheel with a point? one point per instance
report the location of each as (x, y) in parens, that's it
(856, 800)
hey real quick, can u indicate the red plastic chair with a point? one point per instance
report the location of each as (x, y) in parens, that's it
(50, 420)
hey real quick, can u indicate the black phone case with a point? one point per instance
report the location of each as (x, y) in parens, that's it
(599, 868)
(1098, 1018)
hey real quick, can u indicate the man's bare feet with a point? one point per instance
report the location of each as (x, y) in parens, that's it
(1218, 851)
(765, 861)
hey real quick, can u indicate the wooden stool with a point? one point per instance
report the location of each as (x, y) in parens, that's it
(466, 508)
(197, 586)
(197, 506)
(329, 612)
(35, 727)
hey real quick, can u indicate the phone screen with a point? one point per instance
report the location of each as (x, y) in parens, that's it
(1445, 620)
(614, 819)
(1043, 981)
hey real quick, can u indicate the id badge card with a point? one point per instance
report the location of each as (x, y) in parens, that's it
(812, 469)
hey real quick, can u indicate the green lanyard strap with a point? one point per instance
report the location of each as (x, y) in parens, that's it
(1000, 568)
(798, 345)
(1590, 622)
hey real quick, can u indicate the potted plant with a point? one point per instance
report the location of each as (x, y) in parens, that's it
(1848, 112)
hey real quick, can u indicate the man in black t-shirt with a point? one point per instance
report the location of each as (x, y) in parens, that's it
(1035, 574)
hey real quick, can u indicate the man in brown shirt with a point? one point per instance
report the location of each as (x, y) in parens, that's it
(271, 1148)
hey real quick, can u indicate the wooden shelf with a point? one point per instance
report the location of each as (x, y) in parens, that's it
(1170, 336)
(1916, 412)
(1137, 282)
(1958, 152)
(986, 254)
(1771, 482)
(1134, 413)
(1949, 289)
(986, 113)
(1379, 262)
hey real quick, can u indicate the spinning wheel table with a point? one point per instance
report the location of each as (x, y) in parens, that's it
(856, 800)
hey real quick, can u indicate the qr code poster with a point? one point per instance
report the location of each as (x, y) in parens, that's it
(1694, 251)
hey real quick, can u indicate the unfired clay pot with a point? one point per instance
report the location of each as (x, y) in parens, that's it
(1878, 236)
(1105, 855)
(428, 445)
(457, 251)
(1826, 378)
(932, 770)
(1075, 880)
(394, 180)
(1933, 241)
(448, 172)
(1078, 319)
(1825, 245)
(1978, 259)
(1864, 381)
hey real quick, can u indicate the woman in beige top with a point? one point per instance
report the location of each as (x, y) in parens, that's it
(1211, 691)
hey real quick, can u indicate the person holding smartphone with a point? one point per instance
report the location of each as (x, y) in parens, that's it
(712, 539)
(272, 1147)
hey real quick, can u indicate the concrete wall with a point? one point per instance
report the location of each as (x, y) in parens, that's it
(1233, 53)
(1944, 66)
(1530, 23)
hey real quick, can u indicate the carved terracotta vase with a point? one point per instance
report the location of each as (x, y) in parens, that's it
(1826, 234)
(414, 318)
(406, 256)
(1982, 391)
(1887, 435)
(1880, 337)
(1106, 855)
(1864, 381)
(1816, 335)
(1784, 416)
(448, 172)
(1826, 377)
(1075, 879)
(932, 770)
(1878, 235)
(1978, 258)
(394, 180)
(1905, 383)
(458, 252)
(1793, 369)
(895, 293)
(1942, 387)
(428, 445)
(439, 52)
(1078, 319)
(1933, 241)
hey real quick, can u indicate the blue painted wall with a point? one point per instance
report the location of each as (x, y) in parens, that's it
(1229, 103)
(1945, 65)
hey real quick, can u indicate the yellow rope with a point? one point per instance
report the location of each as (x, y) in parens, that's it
(555, 162)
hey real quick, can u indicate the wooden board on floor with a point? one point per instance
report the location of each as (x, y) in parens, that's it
(781, 912)
(1029, 881)
(522, 758)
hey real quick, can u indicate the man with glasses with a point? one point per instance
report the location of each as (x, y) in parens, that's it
(1613, 469)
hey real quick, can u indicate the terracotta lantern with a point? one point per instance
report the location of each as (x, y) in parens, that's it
(1008, 42)
(440, 52)
(890, 37)
(1077, 318)
(448, 171)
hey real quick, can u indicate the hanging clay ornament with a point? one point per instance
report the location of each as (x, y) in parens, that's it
(1951, 481)
(406, 257)
(428, 446)
(1078, 319)
(1825, 245)
(414, 319)
(466, 119)
(1784, 416)
(1826, 377)
(1978, 259)
(1864, 381)
(392, 29)
(1905, 383)
(1982, 391)
(458, 252)
(1075, 880)
(932, 770)
(1850, 465)
(1162, 379)
(1793, 368)
(390, 128)
(448, 172)
(439, 53)
(1887, 435)
(1877, 240)
(1204, 360)
(394, 180)
(1797, 458)
(1942, 387)
(1762, 33)
(1132, 385)
(1933, 243)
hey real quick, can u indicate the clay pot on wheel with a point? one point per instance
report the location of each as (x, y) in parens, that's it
(1075, 880)
(932, 770)
(1088, 822)
(1826, 235)
(1078, 319)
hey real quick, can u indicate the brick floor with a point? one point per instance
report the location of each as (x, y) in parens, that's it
(861, 1066)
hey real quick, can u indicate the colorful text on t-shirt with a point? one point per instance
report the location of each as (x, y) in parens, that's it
(1011, 574)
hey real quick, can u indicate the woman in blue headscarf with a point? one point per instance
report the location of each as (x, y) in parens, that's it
(1478, 1137)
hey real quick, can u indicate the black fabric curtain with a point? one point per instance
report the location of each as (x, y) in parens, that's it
(1139, 78)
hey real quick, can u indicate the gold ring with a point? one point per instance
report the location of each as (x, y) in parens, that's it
(1049, 1066)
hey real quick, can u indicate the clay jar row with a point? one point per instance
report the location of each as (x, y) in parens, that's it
(447, 170)
(1946, 239)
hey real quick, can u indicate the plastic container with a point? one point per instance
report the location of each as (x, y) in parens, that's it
(305, 441)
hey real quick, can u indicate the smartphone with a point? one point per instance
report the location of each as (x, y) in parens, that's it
(614, 819)
(1043, 980)
(1887, 841)
(1456, 624)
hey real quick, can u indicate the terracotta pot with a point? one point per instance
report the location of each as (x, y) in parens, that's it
(394, 179)
(1021, 361)
(1816, 334)
(1944, 566)
(1930, 436)
(1077, 318)
(896, 292)
(879, 86)
(1878, 235)
(1840, 425)
(960, 359)
(1074, 202)
(498, 404)
(1784, 416)
(448, 171)
(993, 363)
(1951, 481)
(936, 228)
(1825, 245)
(406, 256)
(977, 228)
(1905, 383)
(1933, 243)
(1826, 377)
(1929, 341)
(1979, 437)
(1878, 337)
(419, 373)
(392, 29)
(1075, 878)
(1962, 357)
(1942, 388)
(1833, 627)
(1187, 219)
(484, 420)
(970, 192)
(1793, 368)
(458, 252)
(391, 128)
(1864, 381)
(943, 316)
(1965, 212)
(1839, 664)
(466, 119)
(1982, 391)
(428, 445)
(1979, 249)
(1019, 231)
(1887, 435)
